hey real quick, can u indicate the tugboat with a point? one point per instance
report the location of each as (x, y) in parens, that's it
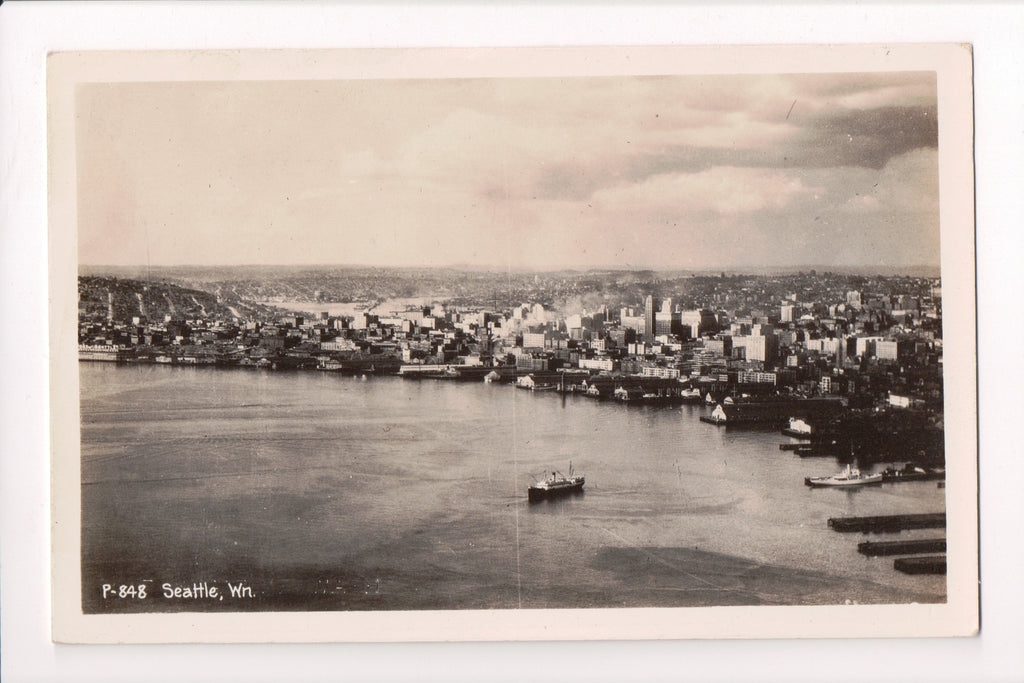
(848, 477)
(556, 485)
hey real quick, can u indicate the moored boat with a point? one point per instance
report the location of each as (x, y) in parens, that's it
(912, 472)
(797, 428)
(690, 396)
(556, 485)
(851, 476)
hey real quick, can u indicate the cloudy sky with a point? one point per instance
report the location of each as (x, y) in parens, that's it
(662, 172)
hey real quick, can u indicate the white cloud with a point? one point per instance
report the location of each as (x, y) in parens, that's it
(910, 182)
(724, 190)
(862, 204)
(922, 94)
(552, 171)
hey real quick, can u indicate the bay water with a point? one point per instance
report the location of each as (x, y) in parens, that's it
(319, 491)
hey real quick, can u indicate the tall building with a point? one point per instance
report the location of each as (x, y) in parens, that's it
(699, 321)
(633, 322)
(649, 318)
(663, 322)
(866, 346)
(760, 348)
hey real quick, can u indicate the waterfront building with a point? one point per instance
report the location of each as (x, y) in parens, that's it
(646, 389)
(104, 352)
(540, 379)
(529, 363)
(901, 401)
(750, 412)
(755, 377)
(598, 364)
(660, 372)
(338, 344)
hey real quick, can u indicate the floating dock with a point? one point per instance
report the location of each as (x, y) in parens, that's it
(932, 564)
(915, 547)
(806, 450)
(813, 453)
(889, 523)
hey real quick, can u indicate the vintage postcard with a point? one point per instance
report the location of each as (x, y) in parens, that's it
(513, 344)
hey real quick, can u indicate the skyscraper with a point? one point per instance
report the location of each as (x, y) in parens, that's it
(649, 318)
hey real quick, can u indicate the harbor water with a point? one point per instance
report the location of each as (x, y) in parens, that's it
(329, 492)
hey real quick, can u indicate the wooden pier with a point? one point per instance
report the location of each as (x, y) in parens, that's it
(889, 523)
(918, 546)
(932, 564)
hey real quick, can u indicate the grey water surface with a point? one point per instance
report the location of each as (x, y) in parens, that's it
(326, 492)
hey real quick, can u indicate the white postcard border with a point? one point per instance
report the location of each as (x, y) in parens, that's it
(959, 616)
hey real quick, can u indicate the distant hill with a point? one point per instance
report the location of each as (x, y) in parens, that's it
(252, 289)
(278, 284)
(154, 300)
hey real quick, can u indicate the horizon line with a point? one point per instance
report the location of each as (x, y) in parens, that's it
(547, 269)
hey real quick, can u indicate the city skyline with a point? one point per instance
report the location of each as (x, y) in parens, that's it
(656, 172)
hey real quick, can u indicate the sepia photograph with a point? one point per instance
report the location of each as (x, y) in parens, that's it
(528, 339)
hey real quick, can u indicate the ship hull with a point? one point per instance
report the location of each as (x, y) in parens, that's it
(829, 482)
(536, 494)
(912, 475)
